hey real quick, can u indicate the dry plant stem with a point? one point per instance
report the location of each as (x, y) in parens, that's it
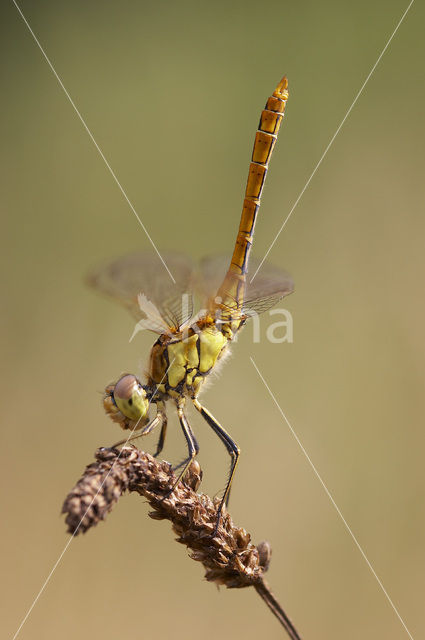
(263, 589)
(228, 555)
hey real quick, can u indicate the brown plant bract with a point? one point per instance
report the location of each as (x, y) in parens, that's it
(228, 554)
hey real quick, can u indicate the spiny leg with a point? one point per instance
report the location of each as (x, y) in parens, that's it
(231, 447)
(192, 446)
(161, 440)
(161, 409)
(160, 418)
(183, 462)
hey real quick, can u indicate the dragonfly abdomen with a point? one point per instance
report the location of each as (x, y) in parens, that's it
(232, 290)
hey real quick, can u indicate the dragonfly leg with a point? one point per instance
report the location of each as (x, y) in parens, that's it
(231, 447)
(161, 440)
(181, 464)
(192, 446)
(160, 418)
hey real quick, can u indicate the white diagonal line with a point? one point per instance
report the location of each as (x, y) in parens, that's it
(332, 139)
(328, 493)
(74, 533)
(93, 140)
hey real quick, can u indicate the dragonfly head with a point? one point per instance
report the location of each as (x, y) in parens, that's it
(131, 397)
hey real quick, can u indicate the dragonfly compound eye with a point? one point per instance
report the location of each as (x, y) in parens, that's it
(130, 397)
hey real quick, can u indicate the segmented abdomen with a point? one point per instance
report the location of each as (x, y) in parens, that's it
(232, 290)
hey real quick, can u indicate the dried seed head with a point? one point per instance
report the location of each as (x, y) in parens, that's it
(265, 553)
(228, 555)
(95, 494)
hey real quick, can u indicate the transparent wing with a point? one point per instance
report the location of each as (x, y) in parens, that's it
(141, 283)
(270, 285)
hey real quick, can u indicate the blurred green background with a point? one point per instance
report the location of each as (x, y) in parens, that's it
(172, 92)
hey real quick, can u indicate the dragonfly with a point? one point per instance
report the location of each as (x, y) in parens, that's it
(189, 347)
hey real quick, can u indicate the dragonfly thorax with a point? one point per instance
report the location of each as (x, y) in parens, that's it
(179, 366)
